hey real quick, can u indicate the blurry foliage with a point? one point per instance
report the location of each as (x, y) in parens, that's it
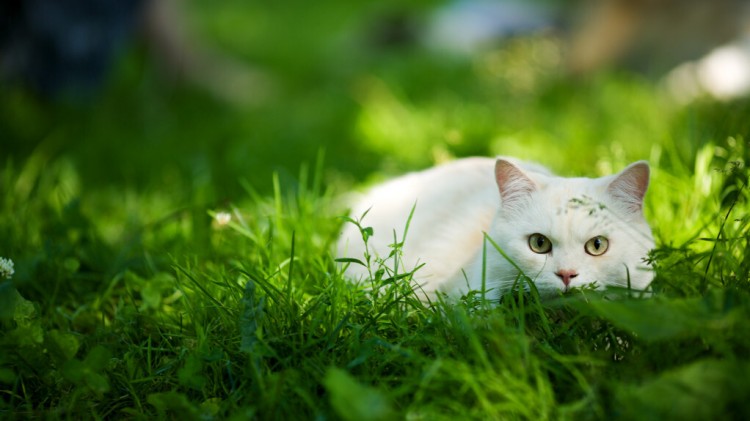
(131, 297)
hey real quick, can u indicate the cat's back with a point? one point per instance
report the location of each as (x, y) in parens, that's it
(433, 184)
(459, 179)
(453, 203)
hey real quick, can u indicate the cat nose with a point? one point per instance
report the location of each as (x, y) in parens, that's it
(566, 275)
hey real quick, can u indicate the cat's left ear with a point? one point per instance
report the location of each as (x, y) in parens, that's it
(630, 185)
(513, 183)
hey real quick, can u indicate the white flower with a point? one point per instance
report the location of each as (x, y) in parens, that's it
(223, 218)
(6, 268)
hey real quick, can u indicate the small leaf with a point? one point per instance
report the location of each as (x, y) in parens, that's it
(191, 374)
(151, 295)
(175, 404)
(7, 376)
(96, 382)
(61, 346)
(211, 406)
(353, 401)
(9, 298)
(348, 219)
(29, 330)
(367, 232)
(89, 372)
(74, 370)
(98, 358)
(350, 260)
(396, 246)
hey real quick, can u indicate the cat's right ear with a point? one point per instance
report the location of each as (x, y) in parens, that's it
(512, 182)
(630, 185)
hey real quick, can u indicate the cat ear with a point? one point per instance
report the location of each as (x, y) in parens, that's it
(513, 183)
(630, 185)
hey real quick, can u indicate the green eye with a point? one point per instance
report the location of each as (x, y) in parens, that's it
(596, 246)
(540, 244)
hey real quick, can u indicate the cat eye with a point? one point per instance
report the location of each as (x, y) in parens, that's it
(596, 246)
(540, 244)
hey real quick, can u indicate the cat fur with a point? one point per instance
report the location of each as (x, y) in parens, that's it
(455, 204)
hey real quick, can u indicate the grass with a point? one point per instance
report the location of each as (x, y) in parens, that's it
(134, 297)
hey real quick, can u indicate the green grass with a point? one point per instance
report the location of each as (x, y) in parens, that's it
(131, 299)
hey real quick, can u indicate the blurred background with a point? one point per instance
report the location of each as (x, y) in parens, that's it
(192, 101)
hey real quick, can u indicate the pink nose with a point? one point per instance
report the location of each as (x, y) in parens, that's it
(566, 275)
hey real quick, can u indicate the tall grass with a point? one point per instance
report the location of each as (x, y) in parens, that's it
(261, 323)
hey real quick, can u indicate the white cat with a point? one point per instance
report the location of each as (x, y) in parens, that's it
(560, 232)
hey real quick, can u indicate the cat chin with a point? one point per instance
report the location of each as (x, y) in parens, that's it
(547, 292)
(549, 288)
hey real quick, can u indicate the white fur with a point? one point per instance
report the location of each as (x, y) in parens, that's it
(457, 203)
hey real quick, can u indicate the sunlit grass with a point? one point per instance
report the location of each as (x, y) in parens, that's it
(261, 310)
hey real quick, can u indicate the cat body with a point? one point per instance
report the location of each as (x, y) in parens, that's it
(560, 232)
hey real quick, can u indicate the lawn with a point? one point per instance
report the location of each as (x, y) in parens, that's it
(172, 250)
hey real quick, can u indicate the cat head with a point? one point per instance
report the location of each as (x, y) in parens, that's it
(571, 232)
